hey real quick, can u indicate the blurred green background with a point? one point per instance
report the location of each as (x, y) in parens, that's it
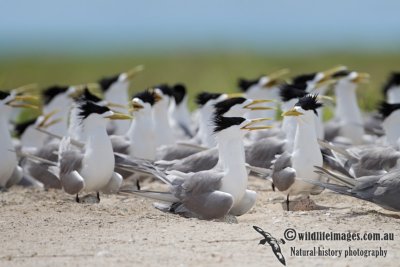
(199, 71)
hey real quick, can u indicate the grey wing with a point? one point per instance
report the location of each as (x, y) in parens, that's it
(70, 165)
(283, 175)
(200, 161)
(262, 152)
(120, 144)
(386, 191)
(49, 152)
(177, 151)
(40, 172)
(379, 158)
(200, 194)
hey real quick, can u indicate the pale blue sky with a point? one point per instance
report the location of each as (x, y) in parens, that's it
(266, 26)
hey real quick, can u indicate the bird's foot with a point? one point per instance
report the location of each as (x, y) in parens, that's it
(77, 199)
(98, 196)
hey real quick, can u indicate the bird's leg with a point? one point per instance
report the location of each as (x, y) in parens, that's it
(98, 196)
(137, 184)
(77, 198)
(273, 187)
(287, 202)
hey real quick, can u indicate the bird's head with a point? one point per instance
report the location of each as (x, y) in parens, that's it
(52, 92)
(392, 82)
(306, 104)
(292, 91)
(351, 77)
(179, 93)
(238, 106)
(92, 112)
(143, 101)
(230, 126)
(206, 98)
(16, 101)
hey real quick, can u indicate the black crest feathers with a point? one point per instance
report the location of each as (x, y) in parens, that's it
(222, 107)
(146, 96)
(204, 97)
(309, 102)
(292, 91)
(52, 91)
(393, 80)
(222, 123)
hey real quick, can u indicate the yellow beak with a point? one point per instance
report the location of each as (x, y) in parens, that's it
(330, 72)
(26, 98)
(274, 77)
(22, 105)
(232, 95)
(136, 105)
(130, 74)
(26, 88)
(46, 117)
(292, 112)
(258, 101)
(119, 116)
(157, 96)
(116, 105)
(249, 126)
(361, 78)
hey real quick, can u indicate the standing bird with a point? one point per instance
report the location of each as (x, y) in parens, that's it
(306, 152)
(10, 173)
(115, 89)
(348, 125)
(92, 168)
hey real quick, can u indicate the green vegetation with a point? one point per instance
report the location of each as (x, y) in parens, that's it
(200, 72)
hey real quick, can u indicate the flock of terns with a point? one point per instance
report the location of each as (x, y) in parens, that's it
(94, 138)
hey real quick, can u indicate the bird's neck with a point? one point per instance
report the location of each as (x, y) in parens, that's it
(205, 129)
(5, 137)
(141, 136)
(163, 130)
(393, 95)
(61, 103)
(231, 151)
(306, 136)
(391, 125)
(180, 112)
(346, 107)
(97, 140)
(118, 93)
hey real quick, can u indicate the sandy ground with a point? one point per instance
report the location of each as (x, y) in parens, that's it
(41, 228)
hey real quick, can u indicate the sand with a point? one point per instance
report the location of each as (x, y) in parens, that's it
(41, 228)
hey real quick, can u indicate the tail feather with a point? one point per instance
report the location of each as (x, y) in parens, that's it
(337, 149)
(341, 189)
(29, 156)
(337, 177)
(160, 196)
